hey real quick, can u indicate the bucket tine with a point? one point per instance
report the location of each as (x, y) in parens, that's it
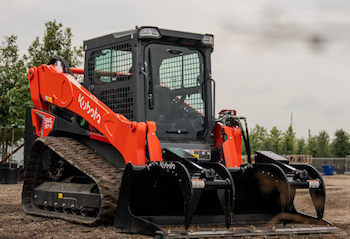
(226, 199)
(190, 206)
(318, 193)
(226, 195)
(318, 198)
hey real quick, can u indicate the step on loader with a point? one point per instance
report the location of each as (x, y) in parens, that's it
(137, 145)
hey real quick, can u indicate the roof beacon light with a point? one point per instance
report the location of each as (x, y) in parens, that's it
(208, 40)
(149, 33)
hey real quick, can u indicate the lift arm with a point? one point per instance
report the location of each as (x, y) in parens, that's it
(49, 85)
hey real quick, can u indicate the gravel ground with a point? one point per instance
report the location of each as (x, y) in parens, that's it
(16, 224)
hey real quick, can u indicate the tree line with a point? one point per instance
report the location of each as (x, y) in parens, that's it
(14, 84)
(286, 143)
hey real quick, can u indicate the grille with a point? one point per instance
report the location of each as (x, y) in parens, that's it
(170, 75)
(112, 64)
(119, 100)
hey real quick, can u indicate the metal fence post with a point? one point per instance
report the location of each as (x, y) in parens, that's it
(346, 165)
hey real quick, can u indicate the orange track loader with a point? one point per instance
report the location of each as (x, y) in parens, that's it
(136, 145)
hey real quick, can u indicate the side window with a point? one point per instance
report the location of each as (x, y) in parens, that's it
(105, 58)
(110, 65)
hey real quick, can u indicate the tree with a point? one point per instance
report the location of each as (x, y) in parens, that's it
(56, 42)
(257, 137)
(14, 88)
(301, 146)
(311, 147)
(273, 140)
(288, 146)
(341, 143)
(323, 146)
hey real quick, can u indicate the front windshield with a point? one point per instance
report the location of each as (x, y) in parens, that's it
(175, 91)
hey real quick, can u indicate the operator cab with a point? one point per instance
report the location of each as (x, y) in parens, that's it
(151, 74)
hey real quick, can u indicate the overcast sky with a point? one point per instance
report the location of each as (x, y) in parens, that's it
(271, 58)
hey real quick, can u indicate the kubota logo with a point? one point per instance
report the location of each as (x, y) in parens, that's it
(85, 105)
(165, 165)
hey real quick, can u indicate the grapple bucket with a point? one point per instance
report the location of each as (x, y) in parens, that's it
(184, 198)
(265, 191)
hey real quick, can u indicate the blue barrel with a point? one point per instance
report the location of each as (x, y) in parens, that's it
(328, 169)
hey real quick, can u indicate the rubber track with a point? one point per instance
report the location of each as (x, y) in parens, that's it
(106, 176)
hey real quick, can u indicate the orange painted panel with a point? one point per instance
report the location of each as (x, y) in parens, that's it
(43, 122)
(231, 147)
(63, 90)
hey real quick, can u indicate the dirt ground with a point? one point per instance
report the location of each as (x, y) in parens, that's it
(14, 223)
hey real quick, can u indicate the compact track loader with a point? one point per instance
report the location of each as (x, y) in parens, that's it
(137, 145)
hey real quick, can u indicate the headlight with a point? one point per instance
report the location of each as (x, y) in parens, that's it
(149, 33)
(208, 40)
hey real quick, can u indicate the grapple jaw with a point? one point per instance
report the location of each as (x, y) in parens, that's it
(316, 188)
(170, 193)
(265, 192)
